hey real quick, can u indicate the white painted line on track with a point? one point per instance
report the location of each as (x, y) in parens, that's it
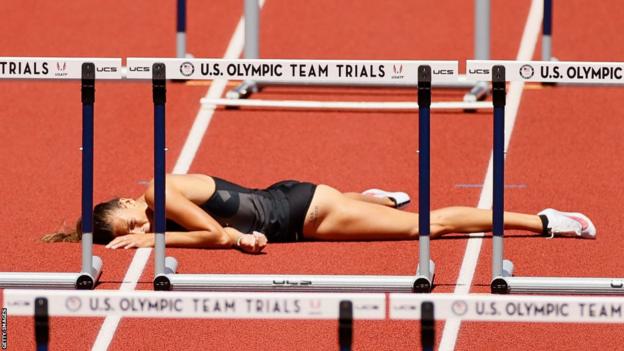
(473, 247)
(189, 150)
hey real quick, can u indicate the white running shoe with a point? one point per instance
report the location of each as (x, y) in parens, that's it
(562, 223)
(399, 198)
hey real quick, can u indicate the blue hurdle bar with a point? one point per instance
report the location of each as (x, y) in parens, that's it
(88, 99)
(159, 92)
(42, 324)
(547, 31)
(345, 325)
(424, 280)
(181, 29)
(498, 150)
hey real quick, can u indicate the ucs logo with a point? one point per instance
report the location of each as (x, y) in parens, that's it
(479, 71)
(106, 69)
(139, 69)
(444, 72)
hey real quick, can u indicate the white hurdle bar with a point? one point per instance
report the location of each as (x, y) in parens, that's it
(345, 105)
(316, 70)
(503, 280)
(317, 306)
(88, 70)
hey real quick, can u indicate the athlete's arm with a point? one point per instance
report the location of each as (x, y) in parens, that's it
(204, 231)
(194, 239)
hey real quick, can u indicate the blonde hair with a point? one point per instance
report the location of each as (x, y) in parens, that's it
(64, 235)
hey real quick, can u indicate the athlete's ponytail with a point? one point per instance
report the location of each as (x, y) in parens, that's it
(102, 228)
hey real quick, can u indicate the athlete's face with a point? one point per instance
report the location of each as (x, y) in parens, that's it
(130, 218)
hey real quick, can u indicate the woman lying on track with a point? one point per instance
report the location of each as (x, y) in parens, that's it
(208, 212)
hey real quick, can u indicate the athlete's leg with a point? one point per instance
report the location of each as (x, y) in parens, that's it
(334, 216)
(385, 201)
(472, 220)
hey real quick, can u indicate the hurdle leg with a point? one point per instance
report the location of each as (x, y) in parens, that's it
(425, 269)
(159, 82)
(481, 47)
(251, 50)
(181, 29)
(91, 266)
(500, 269)
(547, 31)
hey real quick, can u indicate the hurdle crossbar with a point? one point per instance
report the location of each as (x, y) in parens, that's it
(86, 70)
(318, 306)
(159, 70)
(500, 72)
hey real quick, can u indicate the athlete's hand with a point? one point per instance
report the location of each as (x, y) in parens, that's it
(132, 241)
(252, 243)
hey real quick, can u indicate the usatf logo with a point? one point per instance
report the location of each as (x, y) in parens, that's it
(73, 303)
(187, 69)
(61, 68)
(459, 307)
(397, 71)
(527, 71)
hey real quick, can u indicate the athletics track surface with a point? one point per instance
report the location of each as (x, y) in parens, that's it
(564, 150)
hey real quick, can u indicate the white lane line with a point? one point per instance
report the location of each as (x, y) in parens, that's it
(189, 150)
(473, 247)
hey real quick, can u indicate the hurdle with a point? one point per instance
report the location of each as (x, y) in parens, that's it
(500, 72)
(162, 69)
(478, 90)
(342, 307)
(87, 70)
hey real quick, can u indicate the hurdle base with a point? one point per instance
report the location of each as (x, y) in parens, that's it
(560, 285)
(243, 90)
(52, 280)
(161, 281)
(294, 283)
(424, 282)
(499, 284)
(478, 92)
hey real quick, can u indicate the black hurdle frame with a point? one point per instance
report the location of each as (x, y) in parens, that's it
(503, 281)
(165, 277)
(91, 265)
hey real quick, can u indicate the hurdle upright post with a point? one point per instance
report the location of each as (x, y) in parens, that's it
(42, 324)
(424, 280)
(345, 325)
(91, 266)
(251, 49)
(498, 151)
(547, 31)
(482, 16)
(159, 94)
(181, 29)
(427, 325)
